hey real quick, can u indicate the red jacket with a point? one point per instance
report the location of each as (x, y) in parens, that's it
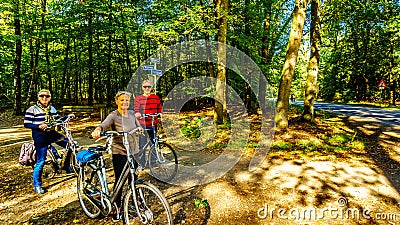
(147, 105)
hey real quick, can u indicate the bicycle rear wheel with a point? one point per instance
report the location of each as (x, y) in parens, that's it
(164, 164)
(74, 163)
(89, 190)
(153, 207)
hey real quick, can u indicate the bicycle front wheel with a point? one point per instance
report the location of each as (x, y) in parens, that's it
(89, 190)
(163, 162)
(50, 167)
(153, 207)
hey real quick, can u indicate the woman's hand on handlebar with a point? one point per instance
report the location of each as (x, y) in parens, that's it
(96, 133)
(138, 130)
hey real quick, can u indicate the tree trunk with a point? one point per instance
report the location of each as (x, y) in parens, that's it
(267, 52)
(208, 49)
(48, 66)
(127, 58)
(108, 81)
(210, 65)
(295, 37)
(392, 80)
(65, 79)
(311, 89)
(77, 73)
(34, 72)
(127, 53)
(90, 62)
(46, 48)
(17, 62)
(138, 49)
(220, 95)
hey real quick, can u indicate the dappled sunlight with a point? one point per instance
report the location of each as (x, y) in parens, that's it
(6, 166)
(312, 166)
(37, 204)
(320, 183)
(366, 131)
(10, 136)
(228, 200)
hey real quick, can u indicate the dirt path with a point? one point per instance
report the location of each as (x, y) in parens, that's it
(281, 191)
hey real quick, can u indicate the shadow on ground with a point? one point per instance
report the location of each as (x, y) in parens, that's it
(299, 185)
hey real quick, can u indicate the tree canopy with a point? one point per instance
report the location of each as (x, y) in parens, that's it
(84, 51)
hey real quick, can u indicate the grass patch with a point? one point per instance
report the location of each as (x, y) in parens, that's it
(336, 139)
(308, 145)
(281, 145)
(359, 145)
(328, 138)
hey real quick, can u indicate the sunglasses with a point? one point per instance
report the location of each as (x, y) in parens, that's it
(47, 96)
(146, 86)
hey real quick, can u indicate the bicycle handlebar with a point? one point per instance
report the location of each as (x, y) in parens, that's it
(111, 133)
(63, 121)
(153, 115)
(119, 133)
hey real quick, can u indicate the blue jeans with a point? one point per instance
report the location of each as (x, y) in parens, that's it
(41, 153)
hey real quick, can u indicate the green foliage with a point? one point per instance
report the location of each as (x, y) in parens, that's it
(360, 45)
(191, 127)
(200, 203)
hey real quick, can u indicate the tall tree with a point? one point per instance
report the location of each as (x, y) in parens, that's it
(222, 21)
(46, 45)
(90, 62)
(296, 34)
(17, 60)
(311, 88)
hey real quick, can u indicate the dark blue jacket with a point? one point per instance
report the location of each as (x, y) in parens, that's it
(35, 116)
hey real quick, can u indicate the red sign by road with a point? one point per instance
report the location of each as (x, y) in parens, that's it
(382, 84)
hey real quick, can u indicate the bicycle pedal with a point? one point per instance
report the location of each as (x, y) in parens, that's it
(139, 169)
(139, 181)
(95, 195)
(57, 167)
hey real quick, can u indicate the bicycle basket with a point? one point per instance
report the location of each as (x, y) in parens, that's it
(85, 156)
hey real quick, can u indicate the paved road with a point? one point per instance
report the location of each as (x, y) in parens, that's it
(385, 116)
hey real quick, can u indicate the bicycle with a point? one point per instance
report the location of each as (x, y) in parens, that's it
(142, 202)
(54, 163)
(162, 159)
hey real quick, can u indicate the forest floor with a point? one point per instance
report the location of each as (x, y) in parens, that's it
(340, 170)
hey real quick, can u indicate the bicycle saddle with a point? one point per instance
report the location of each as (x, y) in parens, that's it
(97, 149)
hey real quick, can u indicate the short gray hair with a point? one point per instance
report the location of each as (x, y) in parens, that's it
(147, 81)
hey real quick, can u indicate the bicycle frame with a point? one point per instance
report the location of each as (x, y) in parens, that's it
(129, 169)
(71, 144)
(155, 139)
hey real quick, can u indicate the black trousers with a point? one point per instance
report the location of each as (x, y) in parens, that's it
(119, 162)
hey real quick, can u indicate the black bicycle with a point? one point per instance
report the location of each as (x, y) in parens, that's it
(142, 202)
(161, 159)
(53, 164)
